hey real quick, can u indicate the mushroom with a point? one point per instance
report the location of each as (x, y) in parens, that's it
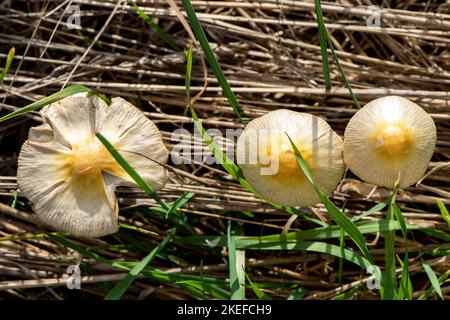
(269, 164)
(390, 139)
(69, 175)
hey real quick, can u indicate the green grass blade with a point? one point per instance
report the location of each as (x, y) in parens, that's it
(211, 58)
(122, 286)
(348, 294)
(405, 287)
(140, 230)
(236, 265)
(201, 287)
(323, 45)
(324, 37)
(433, 278)
(81, 250)
(377, 208)
(223, 159)
(343, 76)
(299, 294)
(8, 62)
(153, 274)
(390, 279)
(185, 197)
(149, 21)
(431, 289)
(256, 290)
(337, 215)
(47, 100)
(131, 172)
(322, 233)
(341, 261)
(444, 212)
(187, 79)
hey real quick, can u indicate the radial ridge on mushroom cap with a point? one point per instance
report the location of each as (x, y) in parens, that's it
(268, 162)
(69, 175)
(390, 138)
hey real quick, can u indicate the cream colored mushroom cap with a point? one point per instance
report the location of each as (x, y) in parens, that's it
(388, 138)
(268, 162)
(70, 176)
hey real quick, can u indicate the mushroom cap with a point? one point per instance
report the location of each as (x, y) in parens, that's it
(268, 162)
(69, 175)
(390, 138)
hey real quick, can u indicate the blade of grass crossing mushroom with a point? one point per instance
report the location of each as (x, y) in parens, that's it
(48, 100)
(323, 45)
(149, 21)
(444, 212)
(223, 159)
(405, 286)
(8, 62)
(131, 172)
(337, 215)
(236, 264)
(433, 278)
(211, 58)
(122, 286)
(390, 278)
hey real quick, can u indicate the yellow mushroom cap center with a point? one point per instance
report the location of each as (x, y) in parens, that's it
(280, 151)
(393, 139)
(86, 161)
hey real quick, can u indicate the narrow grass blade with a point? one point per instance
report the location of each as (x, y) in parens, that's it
(131, 172)
(192, 289)
(122, 286)
(436, 233)
(343, 76)
(185, 197)
(140, 230)
(187, 79)
(47, 100)
(322, 233)
(444, 212)
(390, 279)
(341, 261)
(347, 294)
(325, 42)
(236, 264)
(81, 250)
(153, 273)
(149, 21)
(323, 45)
(256, 290)
(8, 62)
(405, 287)
(337, 215)
(201, 287)
(211, 58)
(433, 278)
(299, 294)
(432, 289)
(223, 159)
(377, 208)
